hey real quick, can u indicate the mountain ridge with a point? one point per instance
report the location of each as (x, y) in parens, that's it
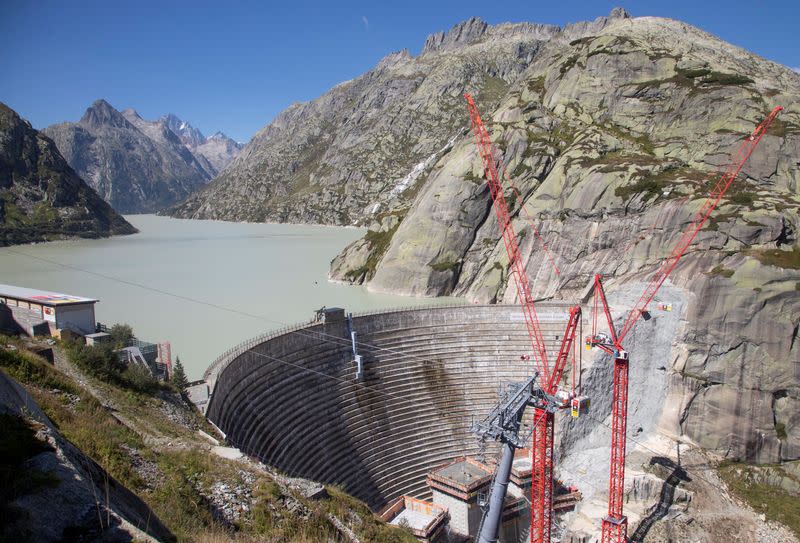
(346, 147)
(138, 165)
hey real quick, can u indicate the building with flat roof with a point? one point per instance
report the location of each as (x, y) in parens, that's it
(41, 312)
(462, 485)
(426, 520)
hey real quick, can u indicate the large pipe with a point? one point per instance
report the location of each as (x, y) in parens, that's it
(491, 522)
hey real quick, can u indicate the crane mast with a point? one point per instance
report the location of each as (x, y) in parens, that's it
(615, 524)
(544, 409)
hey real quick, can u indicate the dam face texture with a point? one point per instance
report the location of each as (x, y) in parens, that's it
(293, 399)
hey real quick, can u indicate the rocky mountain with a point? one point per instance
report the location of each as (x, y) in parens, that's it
(137, 166)
(189, 135)
(609, 130)
(610, 139)
(218, 150)
(366, 144)
(41, 196)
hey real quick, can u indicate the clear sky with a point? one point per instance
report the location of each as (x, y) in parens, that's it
(232, 66)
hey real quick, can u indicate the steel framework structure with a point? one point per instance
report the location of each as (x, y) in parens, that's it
(615, 524)
(544, 419)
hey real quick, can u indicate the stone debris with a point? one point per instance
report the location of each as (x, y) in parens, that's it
(147, 470)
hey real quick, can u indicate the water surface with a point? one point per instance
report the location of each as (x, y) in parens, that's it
(270, 275)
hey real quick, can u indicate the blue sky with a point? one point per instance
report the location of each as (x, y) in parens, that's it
(232, 66)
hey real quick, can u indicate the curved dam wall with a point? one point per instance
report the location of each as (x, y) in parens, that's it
(292, 398)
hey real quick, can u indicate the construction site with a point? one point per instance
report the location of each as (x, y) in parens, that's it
(475, 422)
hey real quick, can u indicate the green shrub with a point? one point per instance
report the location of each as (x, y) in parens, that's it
(103, 363)
(722, 270)
(121, 335)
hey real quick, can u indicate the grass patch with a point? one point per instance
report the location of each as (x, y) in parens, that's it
(692, 73)
(568, 64)
(773, 502)
(33, 370)
(648, 187)
(777, 257)
(721, 78)
(721, 271)
(643, 141)
(695, 79)
(378, 245)
(537, 86)
(446, 266)
(780, 430)
(744, 198)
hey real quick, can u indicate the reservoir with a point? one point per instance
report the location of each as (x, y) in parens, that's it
(204, 286)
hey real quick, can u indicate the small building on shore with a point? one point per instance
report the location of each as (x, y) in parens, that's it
(40, 312)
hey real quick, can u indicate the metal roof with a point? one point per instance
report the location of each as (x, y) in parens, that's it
(42, 297)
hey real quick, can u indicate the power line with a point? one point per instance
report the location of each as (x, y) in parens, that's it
(303, 332)
(307, 333)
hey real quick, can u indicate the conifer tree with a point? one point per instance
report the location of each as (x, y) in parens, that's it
(178, 375)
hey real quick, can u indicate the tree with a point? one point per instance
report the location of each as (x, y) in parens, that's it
(121, 335)
(178, 375)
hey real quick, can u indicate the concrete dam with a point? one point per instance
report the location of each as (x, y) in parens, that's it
(293, 400)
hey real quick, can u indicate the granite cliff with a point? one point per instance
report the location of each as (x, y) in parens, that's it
(610, 139)
(41, 197)
(367, 144)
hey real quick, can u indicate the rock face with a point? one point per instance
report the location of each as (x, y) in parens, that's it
(137, 166)
(218, 150)
(367, 145)
(81, 502)
(41, 197)
(609, 139)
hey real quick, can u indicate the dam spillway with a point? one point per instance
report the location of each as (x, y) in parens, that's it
(292, 398)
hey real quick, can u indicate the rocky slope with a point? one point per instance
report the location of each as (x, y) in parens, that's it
(67, 507)
(41, 197)
(609, 139)
(367, 144)
(137, 166)
(87, 460)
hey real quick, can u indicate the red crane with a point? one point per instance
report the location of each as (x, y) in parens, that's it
(542, 449)
(615, 524)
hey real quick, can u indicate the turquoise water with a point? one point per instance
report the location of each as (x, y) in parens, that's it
(204, 286)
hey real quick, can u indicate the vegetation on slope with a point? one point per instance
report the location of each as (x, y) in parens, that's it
(774, 502)
(147, 439)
